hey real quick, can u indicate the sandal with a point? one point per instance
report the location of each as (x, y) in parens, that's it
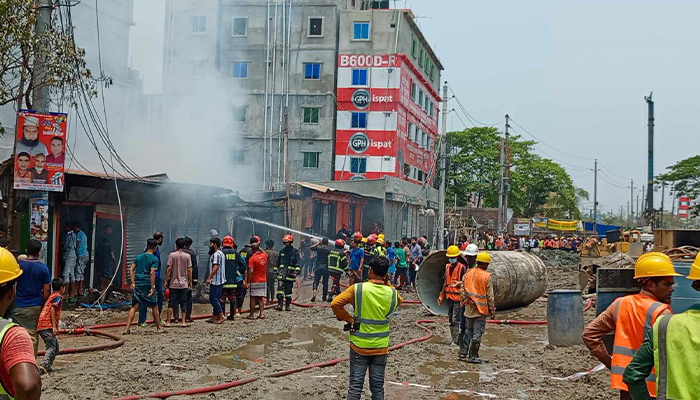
(249, 317)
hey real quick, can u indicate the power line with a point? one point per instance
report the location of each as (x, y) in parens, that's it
(550, 146)
(469, 116)
(558, 160)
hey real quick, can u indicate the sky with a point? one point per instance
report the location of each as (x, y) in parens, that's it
(573, 74)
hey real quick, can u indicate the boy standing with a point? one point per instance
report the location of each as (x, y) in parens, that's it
(143, 284)
(47, 327)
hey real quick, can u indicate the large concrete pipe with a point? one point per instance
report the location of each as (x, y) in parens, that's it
(518, 279)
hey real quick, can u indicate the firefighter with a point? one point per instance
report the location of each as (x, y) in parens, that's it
(369, 254)
(287, 272)
(379, 249)
(454, 274)
(236, 272)
(337, 264)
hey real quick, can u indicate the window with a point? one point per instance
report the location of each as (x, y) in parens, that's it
(312, 71)
(359, 120)
(359, 77)
(411, 131)
(239, 27)
(420, 98)
(240, 70)
(432, 109)
(358, 165)
(420, 58)
(240, 113)
(417, 136)
(360, 30)
(199, 24)
(315, 26)
(424, 140)
(419, 176)
(310, 115)
(311, 159)
(427, 104)
(414, 48)
(237, 157)
(413, 91)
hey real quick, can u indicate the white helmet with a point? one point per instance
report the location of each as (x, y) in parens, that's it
(471, 250)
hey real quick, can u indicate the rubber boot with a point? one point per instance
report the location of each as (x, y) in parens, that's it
(289, 302)
(313, 299)
(474, 353)
(454, 332)
(278, 307)
(462, 346)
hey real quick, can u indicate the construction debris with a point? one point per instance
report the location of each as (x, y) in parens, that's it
(559, 258)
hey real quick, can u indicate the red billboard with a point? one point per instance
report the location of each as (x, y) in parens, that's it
(40, 150)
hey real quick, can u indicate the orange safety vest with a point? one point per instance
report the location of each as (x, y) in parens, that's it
(634, 316)
(475, 285)
(452, 292)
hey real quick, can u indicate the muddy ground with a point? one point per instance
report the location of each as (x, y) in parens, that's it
(206, 354)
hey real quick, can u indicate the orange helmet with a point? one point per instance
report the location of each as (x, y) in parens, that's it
(357, 235)
(340, 243)
(255, 239)
(228, 241)
(288, 238)
(372, 239)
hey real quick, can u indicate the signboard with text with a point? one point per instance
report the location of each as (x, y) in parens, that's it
(40, 151)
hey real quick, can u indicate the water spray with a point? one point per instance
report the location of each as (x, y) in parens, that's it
(281, 227)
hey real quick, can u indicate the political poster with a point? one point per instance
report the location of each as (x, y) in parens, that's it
(39, 219)
(40, 151)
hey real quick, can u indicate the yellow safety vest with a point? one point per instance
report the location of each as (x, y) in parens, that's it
(676, 346)
(5, 325)
(373, 305)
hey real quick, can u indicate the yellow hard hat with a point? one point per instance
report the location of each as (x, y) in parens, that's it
(452, 251)
(381, 236)
(380, 240)
(364, 240)
(695, 269)
(483, 257)
(9, 269)
(654, 264)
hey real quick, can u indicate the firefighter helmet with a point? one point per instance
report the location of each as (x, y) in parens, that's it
(288, 238)
(228, 241)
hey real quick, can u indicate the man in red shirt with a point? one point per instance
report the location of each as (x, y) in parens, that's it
(257, 277)
(19, 375)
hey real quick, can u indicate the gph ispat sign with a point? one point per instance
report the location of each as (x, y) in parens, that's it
(367, 60)
(40, 151)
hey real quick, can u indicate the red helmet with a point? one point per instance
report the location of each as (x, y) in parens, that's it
(372, 239)
(255, 239)
(228, 241)
(357, 235)
(340, 243)
(288, 238)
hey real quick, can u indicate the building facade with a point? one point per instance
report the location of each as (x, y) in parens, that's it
(388, 98)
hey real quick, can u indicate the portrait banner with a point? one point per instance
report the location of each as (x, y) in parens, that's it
(40, 151)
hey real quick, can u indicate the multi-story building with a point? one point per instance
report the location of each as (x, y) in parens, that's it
(388, 98)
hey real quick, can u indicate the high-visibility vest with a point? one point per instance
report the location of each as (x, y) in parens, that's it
(676, 349)
(634, 316)
(335, 259)
(373, 304)
(452, 292)
(5, 326)
(475, 286)
(233, 274)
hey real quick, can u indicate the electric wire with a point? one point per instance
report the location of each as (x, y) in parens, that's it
(548, 145)
(469, 116)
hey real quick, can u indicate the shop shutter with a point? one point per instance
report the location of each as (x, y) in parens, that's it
(140, 225)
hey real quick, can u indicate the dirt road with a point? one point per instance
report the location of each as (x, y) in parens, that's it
(206, 354)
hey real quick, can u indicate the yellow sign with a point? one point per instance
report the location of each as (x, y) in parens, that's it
(557, 225)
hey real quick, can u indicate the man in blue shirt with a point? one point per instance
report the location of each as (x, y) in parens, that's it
(83, 257)
(357, 259)
(32, 290)
(143, 309)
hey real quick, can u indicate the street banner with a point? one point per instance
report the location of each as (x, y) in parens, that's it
(39, 220)
(521, 227)
(557, 225)
(40, 150)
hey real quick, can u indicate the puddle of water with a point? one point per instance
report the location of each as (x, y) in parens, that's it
(496, 336)
(313, 338)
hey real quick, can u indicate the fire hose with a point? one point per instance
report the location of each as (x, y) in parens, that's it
(117, 341)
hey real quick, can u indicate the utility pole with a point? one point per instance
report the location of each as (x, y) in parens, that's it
(595, 196)
(40, 95)
(632, 203)
(629, 216)
(661, 217)
(506, 181)
(285, 130)
(443, 172)
(502, 185)
(650, 173)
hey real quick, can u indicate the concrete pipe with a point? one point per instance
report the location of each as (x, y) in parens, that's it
(518, 279)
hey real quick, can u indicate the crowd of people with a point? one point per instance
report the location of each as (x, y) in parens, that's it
(488, 241)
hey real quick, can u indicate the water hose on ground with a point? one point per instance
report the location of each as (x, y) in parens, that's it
(228, 385)
(117, 341)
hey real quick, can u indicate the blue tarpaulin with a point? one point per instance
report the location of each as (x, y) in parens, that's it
(600, 228)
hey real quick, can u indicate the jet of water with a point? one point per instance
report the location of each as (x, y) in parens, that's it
(284, 228)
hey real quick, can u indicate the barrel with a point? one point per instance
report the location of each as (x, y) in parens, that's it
(518, 278)
(564, 317)
(683, 295)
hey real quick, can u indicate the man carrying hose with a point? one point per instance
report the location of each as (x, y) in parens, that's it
(373, 302)
(337, 264)
(479, 302)
(671, 347)
(454, 274)
(631, 317)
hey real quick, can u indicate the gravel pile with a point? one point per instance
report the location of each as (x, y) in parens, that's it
(559, 258)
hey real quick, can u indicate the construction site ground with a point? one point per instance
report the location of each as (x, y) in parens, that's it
(520, 361)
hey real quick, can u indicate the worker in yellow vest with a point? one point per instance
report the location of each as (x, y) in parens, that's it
(479, 302)
(454, 274)
(373, 302)
(631, 317)
(19, 375)
(671, 349)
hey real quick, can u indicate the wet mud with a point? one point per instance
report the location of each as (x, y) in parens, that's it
(519, 358)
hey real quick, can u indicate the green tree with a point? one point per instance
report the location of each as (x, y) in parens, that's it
(684, 179)
(64, 63)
